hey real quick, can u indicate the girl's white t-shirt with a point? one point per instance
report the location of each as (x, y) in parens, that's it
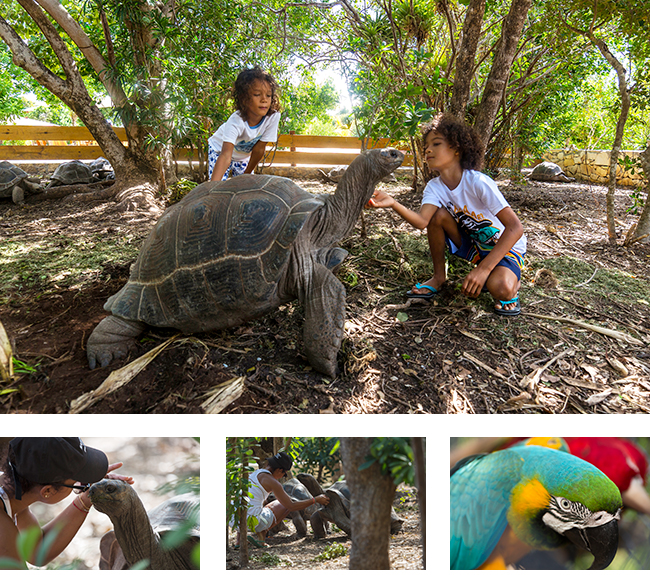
(474, 204)
(237, 131)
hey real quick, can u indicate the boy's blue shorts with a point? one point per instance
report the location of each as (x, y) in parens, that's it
(474, 253)
(235, 168)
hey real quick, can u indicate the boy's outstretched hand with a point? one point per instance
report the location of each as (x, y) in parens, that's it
(380, 199)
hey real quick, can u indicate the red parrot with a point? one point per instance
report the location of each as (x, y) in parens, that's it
(622, 461)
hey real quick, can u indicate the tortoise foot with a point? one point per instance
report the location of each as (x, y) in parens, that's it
(111, 339)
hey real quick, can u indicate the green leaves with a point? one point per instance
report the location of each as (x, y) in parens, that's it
(395, 457)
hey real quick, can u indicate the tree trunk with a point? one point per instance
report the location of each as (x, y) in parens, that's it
(497, 79)
(243, 513)
(466, 57)
(371, 498)
(133, 167)
(620, 129)
(419, 460)
(643, 225)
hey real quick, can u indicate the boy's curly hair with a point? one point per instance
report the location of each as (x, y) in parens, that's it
(242, 87)
(460, 136)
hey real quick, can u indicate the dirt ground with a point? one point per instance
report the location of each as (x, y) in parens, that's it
(289, 551)
(450, 356)
(152, 462)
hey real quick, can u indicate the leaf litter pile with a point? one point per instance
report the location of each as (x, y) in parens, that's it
(579, 346)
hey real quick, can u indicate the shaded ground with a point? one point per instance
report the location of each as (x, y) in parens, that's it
(152, 462)
(453, 356)
(288, 551)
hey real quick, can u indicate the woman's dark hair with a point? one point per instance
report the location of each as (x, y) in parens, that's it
(242, 88)
(280, 461)
(460, 136)
(7, 478)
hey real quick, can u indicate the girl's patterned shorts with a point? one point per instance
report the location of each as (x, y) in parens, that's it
(235, 168)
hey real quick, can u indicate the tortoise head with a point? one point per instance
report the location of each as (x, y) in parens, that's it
(112, 496)
(377, 164)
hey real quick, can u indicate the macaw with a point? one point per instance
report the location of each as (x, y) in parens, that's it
(620, 459)
(506, 503)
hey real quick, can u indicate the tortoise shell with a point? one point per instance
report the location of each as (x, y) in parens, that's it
(170, 514)
(10, 176)
(547, 170)
(74, 172)
(215, 259)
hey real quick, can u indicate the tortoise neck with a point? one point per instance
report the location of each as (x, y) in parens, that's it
(136, 536)
(341, 210)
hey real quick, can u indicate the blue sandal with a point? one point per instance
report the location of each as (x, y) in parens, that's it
(509, 312)
(433, 292)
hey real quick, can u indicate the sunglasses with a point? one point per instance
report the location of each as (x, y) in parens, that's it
(78, 488)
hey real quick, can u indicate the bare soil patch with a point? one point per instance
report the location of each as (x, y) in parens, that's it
(451, 356)
(289, 551)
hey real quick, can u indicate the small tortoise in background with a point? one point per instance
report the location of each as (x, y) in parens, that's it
(549, 172)
(232, 251)
(14, 182)
(68, 173)
(137, 534)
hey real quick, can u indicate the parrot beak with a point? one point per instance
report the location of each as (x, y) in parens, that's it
(601, 542)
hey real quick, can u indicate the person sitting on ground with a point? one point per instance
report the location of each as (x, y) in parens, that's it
(47, 470)
(464, 210)
(267, 480)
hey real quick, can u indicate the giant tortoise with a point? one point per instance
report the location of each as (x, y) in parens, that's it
(137, 534)
(338, 510)
(232, 251)
(549, 172)
(14, 182)
(68, 173)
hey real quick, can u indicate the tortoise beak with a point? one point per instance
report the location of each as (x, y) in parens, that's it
(601, 542)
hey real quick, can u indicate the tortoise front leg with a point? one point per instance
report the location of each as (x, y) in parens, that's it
(112, 339)
(324, 320)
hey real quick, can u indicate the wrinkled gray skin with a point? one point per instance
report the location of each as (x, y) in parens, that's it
(198, 271)
(14, 182)
(338, 510)
(74, 172)
(549, 172)
(137, 534)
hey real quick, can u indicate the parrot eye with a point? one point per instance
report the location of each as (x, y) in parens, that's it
(565, 503)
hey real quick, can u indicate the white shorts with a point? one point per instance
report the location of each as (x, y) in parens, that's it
(266, 518)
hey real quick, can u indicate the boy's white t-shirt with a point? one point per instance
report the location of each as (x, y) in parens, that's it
(244, 137)
(474, 204)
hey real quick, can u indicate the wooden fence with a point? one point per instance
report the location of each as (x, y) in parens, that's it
(56, 143)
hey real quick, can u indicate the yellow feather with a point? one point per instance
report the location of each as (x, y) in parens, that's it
(528, 498)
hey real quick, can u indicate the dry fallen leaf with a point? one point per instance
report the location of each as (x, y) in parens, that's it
(599, 397)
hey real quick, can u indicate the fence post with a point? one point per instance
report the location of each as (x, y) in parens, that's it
(292, 148)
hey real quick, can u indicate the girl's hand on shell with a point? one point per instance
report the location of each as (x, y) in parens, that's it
(322, 499)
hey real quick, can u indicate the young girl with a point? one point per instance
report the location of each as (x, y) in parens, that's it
(463, 209)
(267, 480)
(238, 145)
(47, 470)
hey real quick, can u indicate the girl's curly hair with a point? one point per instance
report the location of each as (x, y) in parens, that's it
(460, 136)
(242, 87)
